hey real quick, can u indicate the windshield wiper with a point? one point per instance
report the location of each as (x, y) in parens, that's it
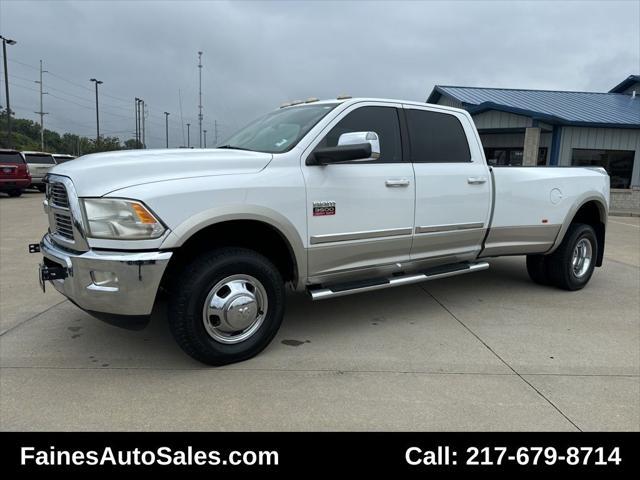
(231, 147)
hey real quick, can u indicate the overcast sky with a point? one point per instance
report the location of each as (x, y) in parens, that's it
(260, 54)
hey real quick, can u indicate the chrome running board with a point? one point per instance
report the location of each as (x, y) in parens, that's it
(339, 290)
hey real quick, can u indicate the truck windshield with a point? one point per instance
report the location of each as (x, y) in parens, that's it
(278, 131)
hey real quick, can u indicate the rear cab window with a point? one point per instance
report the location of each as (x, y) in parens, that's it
(436, 137)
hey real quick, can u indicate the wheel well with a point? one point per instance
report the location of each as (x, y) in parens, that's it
(252, 234)
(592, 213)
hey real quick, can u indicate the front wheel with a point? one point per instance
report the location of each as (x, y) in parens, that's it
(570, 267)
(15, 193)
(226, 306)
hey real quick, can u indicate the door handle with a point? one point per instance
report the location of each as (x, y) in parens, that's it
(402, 182)
(476, 180)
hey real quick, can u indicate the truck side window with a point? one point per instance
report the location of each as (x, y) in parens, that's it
(436, 138)
(382, 120)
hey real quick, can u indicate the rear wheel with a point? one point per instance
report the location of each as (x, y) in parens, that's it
(537, 269)
(15, 193)
(226, 306)
(570, 267)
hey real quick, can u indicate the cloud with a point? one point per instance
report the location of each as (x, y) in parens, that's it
(259, 54)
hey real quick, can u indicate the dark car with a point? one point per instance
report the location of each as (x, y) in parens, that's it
(14, 172)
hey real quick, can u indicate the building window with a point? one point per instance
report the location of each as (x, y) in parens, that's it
(617, 163)
(511, 157)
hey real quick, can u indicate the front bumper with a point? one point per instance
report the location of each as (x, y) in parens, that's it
(133, 293)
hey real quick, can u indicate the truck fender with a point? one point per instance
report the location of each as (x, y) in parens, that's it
(600, 201)
(212, 216)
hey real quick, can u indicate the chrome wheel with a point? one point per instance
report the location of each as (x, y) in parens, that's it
(235, 309)
(581, 259)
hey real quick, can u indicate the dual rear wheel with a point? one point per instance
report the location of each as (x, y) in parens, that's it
(571, 265)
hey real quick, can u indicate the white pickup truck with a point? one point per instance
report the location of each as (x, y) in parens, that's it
(329, 197)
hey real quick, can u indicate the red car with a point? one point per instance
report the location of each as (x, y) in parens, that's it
(14, 172)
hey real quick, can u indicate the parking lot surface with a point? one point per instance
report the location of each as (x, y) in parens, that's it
(485, 351)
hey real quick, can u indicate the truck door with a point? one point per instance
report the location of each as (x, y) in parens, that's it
(360, 214)
(453, 186)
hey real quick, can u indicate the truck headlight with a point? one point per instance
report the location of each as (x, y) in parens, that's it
(120, 219)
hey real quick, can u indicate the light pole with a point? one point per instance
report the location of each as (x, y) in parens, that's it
(6, 85)
(205, 138)
(97, 82)
(188, 136)
(166, 127)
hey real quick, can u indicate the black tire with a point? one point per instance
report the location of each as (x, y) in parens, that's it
(559, 263)
(189, 292)
(41, 188)
(15, 193)
(537, 269)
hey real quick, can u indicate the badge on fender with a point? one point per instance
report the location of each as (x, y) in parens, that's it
(321, 209)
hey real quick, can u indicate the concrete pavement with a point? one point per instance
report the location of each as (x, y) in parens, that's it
(486, 351)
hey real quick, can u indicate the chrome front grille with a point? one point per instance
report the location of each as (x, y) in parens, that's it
(65, 215)
(58, 195)
(63, 225)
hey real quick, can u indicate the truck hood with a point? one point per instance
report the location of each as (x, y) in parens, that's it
(100, 173)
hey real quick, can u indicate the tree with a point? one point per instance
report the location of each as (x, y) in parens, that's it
(25, 135)
(130, 144)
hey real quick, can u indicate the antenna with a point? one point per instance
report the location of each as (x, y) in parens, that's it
(200, 98)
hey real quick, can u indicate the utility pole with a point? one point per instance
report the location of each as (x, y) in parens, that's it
(97, 82)
(205, 138)
(137, 115)
(200, 98)
(215, 131)
(166, 127)
(42, 113)
(188, 135)
(6, 85)
(144, 137)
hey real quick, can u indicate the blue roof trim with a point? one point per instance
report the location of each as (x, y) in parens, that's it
(552, 119)
(626, 83)
(611, 110)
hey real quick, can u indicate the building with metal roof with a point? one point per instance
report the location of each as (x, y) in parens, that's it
(559, 128)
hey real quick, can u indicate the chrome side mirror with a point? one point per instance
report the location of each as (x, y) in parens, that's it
(355, 138)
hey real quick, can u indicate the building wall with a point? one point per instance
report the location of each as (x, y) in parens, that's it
(497, 119)
(513, 140)
(601, 138)
(449, 102)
